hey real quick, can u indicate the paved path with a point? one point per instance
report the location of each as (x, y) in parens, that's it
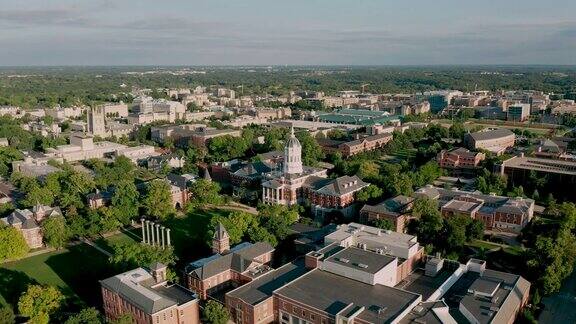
(236, 206)
(92, 244)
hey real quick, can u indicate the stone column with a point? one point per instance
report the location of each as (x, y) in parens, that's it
(143, 232)
(168, 234)
(150, 239)
(157, 235)
(163, 229)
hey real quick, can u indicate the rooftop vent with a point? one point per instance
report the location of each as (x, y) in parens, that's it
(344, 260)
(363, 266)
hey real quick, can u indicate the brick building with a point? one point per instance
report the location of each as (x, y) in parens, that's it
(496, 212)
(149, 298)
(396, 210)
(364, 275)
(350, 148)
(460, 161)
(326, 195)
(228, 267)
(29, 223)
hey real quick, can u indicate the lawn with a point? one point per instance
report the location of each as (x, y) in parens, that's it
(75, 271)
(188, 233)
(405, 154)
(125, 236)
(483, 244)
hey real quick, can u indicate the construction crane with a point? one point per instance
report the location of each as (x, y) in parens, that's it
(363, 87)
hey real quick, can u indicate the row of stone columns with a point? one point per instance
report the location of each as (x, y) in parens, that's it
(155, 234)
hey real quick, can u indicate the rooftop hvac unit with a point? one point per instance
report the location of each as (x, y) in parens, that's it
(344, 260)
(363, 266)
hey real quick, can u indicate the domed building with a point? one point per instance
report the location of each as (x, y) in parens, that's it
(297, 183)
(285, 187)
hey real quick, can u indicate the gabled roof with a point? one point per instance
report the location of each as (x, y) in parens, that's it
(340, 186)
(238, 259)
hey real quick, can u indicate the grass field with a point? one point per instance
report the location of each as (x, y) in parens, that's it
(75, 270)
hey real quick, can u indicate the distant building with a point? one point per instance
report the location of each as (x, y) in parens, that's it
(82, 147)
(194, 134)
(460, 161)
(29, 223)
(96, 121)
(495, 140)
(496, 212)
(518, 112)
(361, 145)
(148, 297)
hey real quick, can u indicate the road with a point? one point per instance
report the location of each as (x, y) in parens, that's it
(561, 307)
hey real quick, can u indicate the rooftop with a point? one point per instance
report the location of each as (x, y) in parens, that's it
(363, 260)
(139, 288)
(541, 164)
(262, 288)
(491, 134)
(332, 294)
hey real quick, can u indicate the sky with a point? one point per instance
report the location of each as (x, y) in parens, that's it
(287, 32)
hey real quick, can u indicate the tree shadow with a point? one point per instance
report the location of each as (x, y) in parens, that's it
(13, 284)
(81, 269)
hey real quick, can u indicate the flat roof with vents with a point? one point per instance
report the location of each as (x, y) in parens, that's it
(359, 259)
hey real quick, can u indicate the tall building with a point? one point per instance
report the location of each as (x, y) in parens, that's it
(96, 124)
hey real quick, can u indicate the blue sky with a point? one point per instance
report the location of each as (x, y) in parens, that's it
(264, 32)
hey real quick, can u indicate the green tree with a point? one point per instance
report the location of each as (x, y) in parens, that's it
(132, 255)
(384, 224)
(38, 195)
(277, 219)
(237, 224)
(39, 302)
(205, 192)
(12, 243)
(7, 315)
(370, 193)
(260, 234)
(215, 313)
(158, 200)
(123, 319)
(7, 156)
(456, 232)
(430, 222)
(55, 232)
(475, 230)
(311, 151)
(125, 202)
(86, 316)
